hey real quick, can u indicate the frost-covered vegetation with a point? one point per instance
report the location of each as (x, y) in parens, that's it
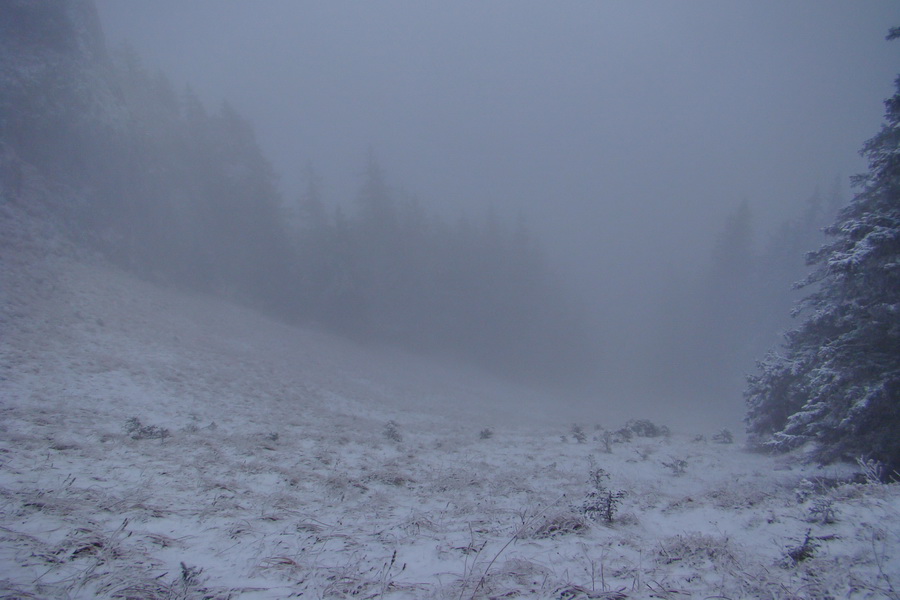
(163, 436)
(290, 468)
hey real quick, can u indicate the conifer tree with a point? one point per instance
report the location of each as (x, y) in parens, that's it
(837, 380)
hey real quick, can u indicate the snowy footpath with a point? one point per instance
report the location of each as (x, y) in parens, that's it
(155, 445)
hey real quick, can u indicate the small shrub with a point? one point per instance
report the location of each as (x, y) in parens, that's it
(189, 585)
(872, 471)
(601, 502)
(805, 489)
(392, 431)
(823, 511)
(805, 551)
(723, 437)
(678, 466)
(606, 439)
(390, 477)
(646, 428)
(139, 431)
(695, 549)
(486, 433)
(597, 475)
(563, 523)
(623, 435)
(578, 433)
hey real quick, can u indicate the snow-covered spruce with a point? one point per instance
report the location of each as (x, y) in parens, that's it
(836, 382)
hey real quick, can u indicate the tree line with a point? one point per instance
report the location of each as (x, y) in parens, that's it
(184, 195)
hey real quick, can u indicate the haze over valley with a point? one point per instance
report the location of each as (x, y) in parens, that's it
(449, 300)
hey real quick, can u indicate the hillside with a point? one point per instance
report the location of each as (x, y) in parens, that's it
(160, 445)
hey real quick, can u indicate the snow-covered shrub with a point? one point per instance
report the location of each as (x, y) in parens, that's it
(645, 428)
(694, 549)
(623, 435)
(805, 550)
(822, 510)
(392, 431)
(601, 502)
(186, 585)
(578, 433)
(816, 486)
(723, 437)
(486, 433)
(342, 486)
(388, 476)
(522, 572)
(606, 439)
(560, 523)
(873, 471)
(189, 584)
(139, 431)
(678, 466)
(738, 495)
(805, 489)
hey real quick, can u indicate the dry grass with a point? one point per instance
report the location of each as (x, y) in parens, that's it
(276, 477)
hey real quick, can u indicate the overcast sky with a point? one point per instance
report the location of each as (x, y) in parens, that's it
(628, 130)
(597, 117)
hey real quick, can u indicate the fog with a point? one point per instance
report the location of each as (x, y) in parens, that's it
(628, 134)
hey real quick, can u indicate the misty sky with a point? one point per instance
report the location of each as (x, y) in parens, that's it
(627, 130)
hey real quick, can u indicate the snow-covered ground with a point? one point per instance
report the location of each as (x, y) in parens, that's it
(159, 445)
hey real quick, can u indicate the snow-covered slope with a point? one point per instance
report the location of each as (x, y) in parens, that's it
(160, 445)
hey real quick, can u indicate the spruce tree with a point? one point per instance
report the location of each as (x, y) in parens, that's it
(836, 381)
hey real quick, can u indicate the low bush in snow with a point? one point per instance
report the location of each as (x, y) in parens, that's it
(601, 502)
(723, 437)
(646, 428)
(392, 431)
(678, 466)
(558, 524)
(139, 431)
